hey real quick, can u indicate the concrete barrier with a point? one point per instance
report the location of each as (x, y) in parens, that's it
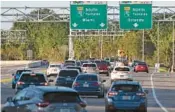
(35, 64)
(29, 63)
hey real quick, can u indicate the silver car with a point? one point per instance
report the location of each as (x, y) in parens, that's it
(90, 68)
(45, 99)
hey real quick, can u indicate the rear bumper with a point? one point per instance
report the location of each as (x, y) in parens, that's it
(103, 71)
(124, 106)
(118, 79)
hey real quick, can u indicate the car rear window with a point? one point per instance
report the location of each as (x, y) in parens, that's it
(20, 71)
(122, 69)
(75, 68)
(32, 78)
(86, 78)
(141, 63)
(59, 66)
(61, 97)
(66, 73)
(69, 62)
(89, 65)
(126, 88)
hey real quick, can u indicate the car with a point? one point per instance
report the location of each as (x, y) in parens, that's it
(45, 99)
(119, 63)
(89, 84)
(103, 67)
(53, 69)
(17, 75)
(121, 73)
(74, 67)
(66, 77)
(141, 67)
(90, 68)
(126, 96)
(70, 63)
(31, 79)
(135, 62)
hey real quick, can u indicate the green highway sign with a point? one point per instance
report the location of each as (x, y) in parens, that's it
(88, 17)
(135, 16)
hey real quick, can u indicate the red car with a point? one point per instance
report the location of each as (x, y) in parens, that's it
(103, 67)
(141, 67)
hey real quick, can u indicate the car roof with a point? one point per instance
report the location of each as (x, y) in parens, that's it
(52, 89)
(73, 66)
(89, 74)
(38, 73)
(126, 82)
(69, 69)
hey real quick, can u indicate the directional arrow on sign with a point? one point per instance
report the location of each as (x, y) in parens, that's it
(135, 25)
(75, 24)
(102, 24)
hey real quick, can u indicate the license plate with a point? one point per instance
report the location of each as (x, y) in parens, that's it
(126, 98)
(64, 110)
(121, 75)
(68, 79)
(85, 85)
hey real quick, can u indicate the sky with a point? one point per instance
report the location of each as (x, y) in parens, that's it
(60, 4)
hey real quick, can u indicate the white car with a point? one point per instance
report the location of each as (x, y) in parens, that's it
(90, 68)
(54, 69)
(121, 73)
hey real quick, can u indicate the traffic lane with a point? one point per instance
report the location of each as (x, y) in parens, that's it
(164, 86)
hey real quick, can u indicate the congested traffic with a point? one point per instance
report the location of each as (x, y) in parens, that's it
(63, 86)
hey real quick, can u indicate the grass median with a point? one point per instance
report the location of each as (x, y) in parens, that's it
(6, 80)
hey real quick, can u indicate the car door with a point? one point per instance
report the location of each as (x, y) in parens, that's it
(26, 104)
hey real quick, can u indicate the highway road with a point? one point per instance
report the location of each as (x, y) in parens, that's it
(161, 97)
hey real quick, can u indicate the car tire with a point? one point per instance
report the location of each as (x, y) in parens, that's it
(147, 71)
(107, 74)
(13, 86)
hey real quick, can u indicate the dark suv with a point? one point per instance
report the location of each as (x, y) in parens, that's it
(45, 99)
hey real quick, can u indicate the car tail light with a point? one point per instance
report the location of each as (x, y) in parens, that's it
(20, 83)
(43, 104)
(45, 84)
(95, 84)
(112, 93)
(76, 84)
(82, 104)
(141, 94)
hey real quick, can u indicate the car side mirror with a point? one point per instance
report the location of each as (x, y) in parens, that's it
(51, 80)
(146, 91)
(9, 99)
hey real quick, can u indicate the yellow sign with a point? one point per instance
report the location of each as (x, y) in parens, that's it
(127, 8)
(79, 8)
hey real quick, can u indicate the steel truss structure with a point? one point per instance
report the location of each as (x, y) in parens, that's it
(61, 14)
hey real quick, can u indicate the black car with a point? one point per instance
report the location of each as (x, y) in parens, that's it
(45, 99)
(66, 77)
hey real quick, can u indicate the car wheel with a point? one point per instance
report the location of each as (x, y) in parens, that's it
(147, 71)
(13, 86)
(107, 74)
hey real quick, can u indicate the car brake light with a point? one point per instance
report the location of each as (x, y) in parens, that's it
(82, 104)
(76, 84)
(20, 83)
(141, 94)
(43, 104)
(112, 93)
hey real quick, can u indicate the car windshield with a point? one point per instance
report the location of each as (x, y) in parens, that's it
(126, 88)
(20, 71)
(66, 73)
(122, 69)
(32, 78)
(89, 65)
(87, 78)
(59, 66)
(61, 97)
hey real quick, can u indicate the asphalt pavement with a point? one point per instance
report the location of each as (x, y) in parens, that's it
(161, 97)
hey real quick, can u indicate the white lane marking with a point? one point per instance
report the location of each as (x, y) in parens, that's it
(154, 95)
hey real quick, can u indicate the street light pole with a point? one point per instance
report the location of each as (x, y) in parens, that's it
(158, 40)
(173, 49)
(143, 46)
